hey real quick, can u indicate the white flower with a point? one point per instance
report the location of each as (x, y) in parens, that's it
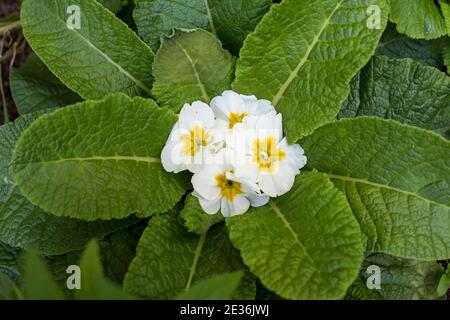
(191, 139)
(231, 108)
(218, 188)
(236, 151)
(259, 141)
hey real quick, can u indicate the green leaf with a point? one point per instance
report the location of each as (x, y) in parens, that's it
(302, 56)
(22, 224)
(118, 250)
(35, 88)
(99, 160)
(38, 282)
(446, 47)
(303, 245)
(230, 20)
(444, 283)
(101, 57)
(402, 90)
(8, 261)
(401, 279)
(195, 219)
(171, 260)
(396, 45)
(418, 19)
(202, 69)
(94, 286)
(396, 179)
(219, 287)
(8, 289)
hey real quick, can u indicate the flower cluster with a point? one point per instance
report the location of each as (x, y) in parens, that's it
(236, 150)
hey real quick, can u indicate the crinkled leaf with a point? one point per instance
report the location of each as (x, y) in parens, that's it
(231, 20)
(170, 260)
(195, 219)
(396, 179)
(202, 69)
(22, 224)
(401, 279)
(403, 90)
(99, 160)
(418, 19)
(38, 282)
(8, 261)
(303, 245)
(219, 287)
(118, 250)
(101, 57)
(302, 56)
(397, 45)
(35, 88)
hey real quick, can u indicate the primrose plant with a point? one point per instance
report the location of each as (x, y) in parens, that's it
(185, 126)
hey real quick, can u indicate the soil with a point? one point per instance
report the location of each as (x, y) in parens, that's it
(8, 8)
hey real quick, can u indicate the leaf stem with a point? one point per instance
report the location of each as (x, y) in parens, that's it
(211, 22)
(198, 252)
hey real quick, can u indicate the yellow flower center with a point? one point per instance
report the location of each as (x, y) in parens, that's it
(266, 154)
(194, 141)
(235, 118)
(228, 188)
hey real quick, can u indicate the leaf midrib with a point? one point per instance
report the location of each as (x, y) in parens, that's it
(280, 215)
(102, 158)
(294, 73)
(210, 19)
(196, 73)
(382, 186)
(138, 82)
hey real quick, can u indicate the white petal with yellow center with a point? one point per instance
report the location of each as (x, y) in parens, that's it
(232, 108)
(188, 146)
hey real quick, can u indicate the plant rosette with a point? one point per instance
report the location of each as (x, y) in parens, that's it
(196, 121)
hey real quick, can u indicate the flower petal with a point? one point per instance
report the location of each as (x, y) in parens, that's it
(209, 206)
(238, 206)
(295, 155)
(171, 158)
(198, 113)
(258, 200)
(204, 183)
(283, 179)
